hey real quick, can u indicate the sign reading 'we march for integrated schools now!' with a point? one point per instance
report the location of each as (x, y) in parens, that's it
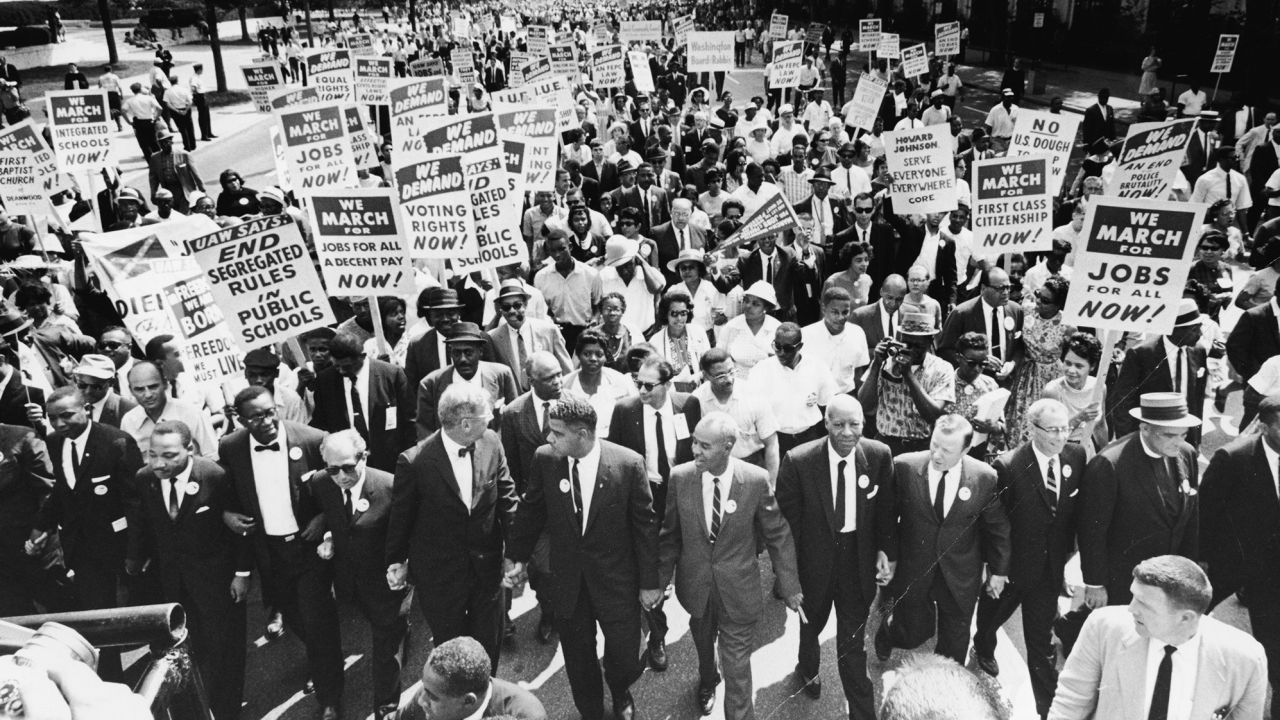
(81, 128)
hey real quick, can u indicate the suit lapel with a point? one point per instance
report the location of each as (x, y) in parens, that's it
(1132, 671)
(1029, 457)
(821, 474)
(700, 507)
(445, 464)
(604, 470)
(481, 455)
(1211, 672)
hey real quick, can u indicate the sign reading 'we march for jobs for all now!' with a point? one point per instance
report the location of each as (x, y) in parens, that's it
(1135, 263)
(360, 241)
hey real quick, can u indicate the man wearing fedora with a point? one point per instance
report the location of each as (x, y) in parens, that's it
(466, 347)
(93, 376)
(907, 387)
(1138, 499)
(440, 308)
(830, 218)
(1169, 363)
(369, 396)
(772, 264)
(676, 236)
(129, 210)
(174, 170)
(626, 272)
(520, 336)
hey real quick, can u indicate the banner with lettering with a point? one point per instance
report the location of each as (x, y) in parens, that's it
(29, 170)
(329, 72)
(607, 69)
(710, 51)
(1036, 132)
(317, 148)
(413, 102)
(262, 78)
(372, 80)
(1150, 155)
(865, 107)
(436, 207)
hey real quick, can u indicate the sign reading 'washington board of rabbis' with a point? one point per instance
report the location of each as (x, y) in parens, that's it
(710, 51)
(1137, 255)
(360, 242)
(1012, 208)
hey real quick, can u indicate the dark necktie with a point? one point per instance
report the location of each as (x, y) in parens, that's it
(768, 269)
(681, 231)
(996, 335)
(546, 423)
(357, 413)
(1164, 483)
(1164, 678)
(173, 388)
(939, 504)
(1177, 373)
(466, 450)
(269, 446)
(173, 499)
(841, 499)
(75, 463)
(664, 463)
(1051, 482)
(577, 492)
(346, 502)
(523, 354)
(715, 508)
(1228, 174)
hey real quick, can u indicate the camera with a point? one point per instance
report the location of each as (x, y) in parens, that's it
(894, 347)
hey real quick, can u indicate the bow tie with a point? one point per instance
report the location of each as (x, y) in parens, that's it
(468, 450)
(275, 446)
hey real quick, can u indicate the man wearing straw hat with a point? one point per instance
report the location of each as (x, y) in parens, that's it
(1138, 499)
(907, 386)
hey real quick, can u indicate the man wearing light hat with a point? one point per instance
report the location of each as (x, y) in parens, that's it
(1000, 121)
(783, 137)
(174, 170)
(624, 272)
(519, 336)
(1171, 363)
(1204, 140)
(908, 387)
(93, 376)
(937, 113)
(164, 207)
(129, 207)
(1138, 499)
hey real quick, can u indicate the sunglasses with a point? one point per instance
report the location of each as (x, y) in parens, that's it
(508, 307)
(112, 345)
(864, 211)
(678, 313)
(647, 386)
(627, 222)
(344, 469)
(788, 349)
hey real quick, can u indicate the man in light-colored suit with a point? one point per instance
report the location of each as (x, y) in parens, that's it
(716, 506)
(466, 345)
(515, 341)
(1108, 674)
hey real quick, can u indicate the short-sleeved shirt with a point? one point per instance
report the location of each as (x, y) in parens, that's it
(842, 354)
(137, 423)
(1001, 120)
(896, 413)
(571, 299)
(754, 417)
(794, 394)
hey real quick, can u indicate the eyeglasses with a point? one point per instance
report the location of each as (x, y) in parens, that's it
(1000, 288)
(648, 386)
(721, 377)
(260, 417)
(787, 348)
(864, 210)
(111, 345)
(1053, 430)
(508, 307)
(627, 222)
(1048, 300)
(349, 469)
(678, 313)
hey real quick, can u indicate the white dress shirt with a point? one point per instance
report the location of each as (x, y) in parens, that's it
(708, 490)
(271, 480)
(588, 470)
(1171, 356)
(179, 483)
(1273, 463)
(356, 492)
(853, 179)
(888, 322)
(651, 437)
(67, 465)
(996, 332)
(362, 390)
(849, 522)
(1183, 678)
(948, 492)
(843, 354)
(463, 470)
(928, 257)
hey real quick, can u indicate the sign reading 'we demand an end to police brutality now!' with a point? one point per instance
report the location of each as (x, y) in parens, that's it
(1134, 266)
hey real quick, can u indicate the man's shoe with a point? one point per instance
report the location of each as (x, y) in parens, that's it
(275, 627)
(987, 664)
(386, 711)
(625, 709)
(658, 655)
(707, 698)
(509, 631)
(811, 686)
(309, 688)
(546, 626)
(330, 712)
(884, 645)
(1220, 399)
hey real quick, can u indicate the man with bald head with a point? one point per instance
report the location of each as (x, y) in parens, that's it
(677, 235)
(147, 383)
(837, 494)
(879, 320)
(715, 507)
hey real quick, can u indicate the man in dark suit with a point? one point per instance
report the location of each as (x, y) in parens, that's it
(879, 319)
(691, 142)
(1173, 363)
(26, 479)
(776, 266)
(1038, 482)
(267, 460)
(466, 346)
(837, 494)
(677, 235)
(356, 500)
(1138, 499)
(925, 242)
(950, 524)
(57, 347)
(1240, 530)
(426, 354)
(993, 314)
(601, 170)
(1254, 339)
(578, 180)
(1205, 140)
(180, 528)
(651, 200)
(830, 218)
(93, 505)
(93, 376)
(876, 235)
(593, 498)
(20, 404)
(456, 683)
(644, 126)
(1099, 120)
(653, 423)
(1263, 161)
(710, 548)
(521, 336)
(370, 396)
(452, 509)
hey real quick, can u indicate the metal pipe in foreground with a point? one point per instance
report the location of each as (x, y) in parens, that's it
(164, 625)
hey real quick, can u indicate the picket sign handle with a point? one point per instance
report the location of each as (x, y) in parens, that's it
(1216, 83)
(295, 348)
(1109, 340)
(375, 316)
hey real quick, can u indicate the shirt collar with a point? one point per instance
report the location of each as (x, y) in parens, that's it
(79, 439)
(185, 475)
(451, 447)
(358, 489)
(1190, 648)
(725, 476)
(1041, 457)
(953, 471)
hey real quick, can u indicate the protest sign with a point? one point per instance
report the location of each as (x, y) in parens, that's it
(869, 34)
(495, 212)
(462, 28)
(1225, 56)
(683, 25)
(600, 31)
(464, 66)
(1041, 132)
(515, 78)
(513, 156)
(924, 177)
(262, 79)
(261, 274)
(1150, 155)
(413, 100)
(285, 98)
(82, 131)
(915, 60)
(329, 71)
(564, 60)
(317, 149)
(359, 239)
(640, 73)
(630, 31)
(607, 68)
(436, 207)
(507, 23)
(434, 67)
(554, 90)
(538, 39)
(889, 46)
(786, 63)
(536, 129)
(778, 25)
(531, 121)
(372, 77)
(946, 39)
(1012, 206)
(457, 134)
(29, 169)
(867, 96)
(364, 150)
(773, 216)
(361, 44)
(813, 33)
(209, 354)
(279, 158)
(1134, 266)
(710, 51)
(536, 68)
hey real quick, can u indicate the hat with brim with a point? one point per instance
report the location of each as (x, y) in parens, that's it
(466, 332)
(261, 358)
(619, 250)
(688, 255)
(439, 298)
(917, 325)
(1188, 313)
(625, 166)
(822, 175)
(95, 366)
(272, 193)
(512, 287)
(1167, 409)
(130, 195)
(763, 291)
(13, 321)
